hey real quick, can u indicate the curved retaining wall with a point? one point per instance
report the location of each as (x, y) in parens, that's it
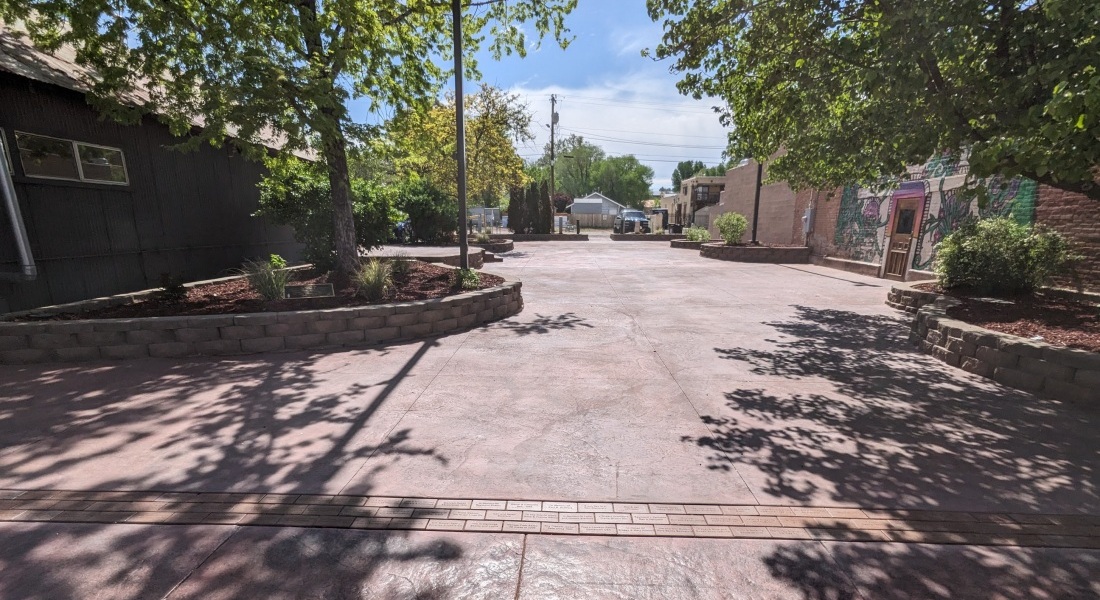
(542, 237)
(220, 335)
(905, 297)
(757, 254)
(1052, 371)
(496, 246)
(646, 237)
(685, 244)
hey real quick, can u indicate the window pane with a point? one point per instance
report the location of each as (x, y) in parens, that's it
(102, 164)
(46, 157)
(906, 219)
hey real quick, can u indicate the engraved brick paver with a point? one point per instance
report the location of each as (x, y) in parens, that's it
(554, 518)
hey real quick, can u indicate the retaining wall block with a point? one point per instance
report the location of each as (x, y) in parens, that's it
(161, 323)
(14, 342)
(149, 336)
(69, 327)
(101, 338)
(171, 349)
(124, 352)
(1046, 369)
(951, 358)
(263, 344)
(402, 319)
(1019, 346)
(934, 336)
(445, 325)
(383, 334)
(996, 358)
(343, 338)
(1018, 379)
(328, 326)
(978, 367)
(196, 335)
(285, 329)
(1070, 391)
(256, 319)
(26, 355)
(412, 307)
(210, 321)
(1088, 378)
(378, 310)
(218, 347)
(431, 316)
(366, 322)
(296, 317)
(242, 332)
(78, 353)
(1071, 357)
(49, 341)
(468, 320)
(306, 340)
(417, 330)
(117, 325)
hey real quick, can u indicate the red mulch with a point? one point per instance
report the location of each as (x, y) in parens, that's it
(423, 281)
(1056, 319)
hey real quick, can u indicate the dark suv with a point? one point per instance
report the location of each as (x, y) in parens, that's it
(624, 223)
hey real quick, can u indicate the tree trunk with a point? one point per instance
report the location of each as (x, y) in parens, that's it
(343, 218)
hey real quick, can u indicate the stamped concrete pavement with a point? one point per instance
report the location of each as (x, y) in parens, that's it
(635, 373)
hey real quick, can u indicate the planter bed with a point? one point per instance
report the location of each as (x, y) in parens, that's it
(496, 246)
(687, 245)
(541, 237)
(646, 237)
(275, 326)
(756, 254)
(1031, 365)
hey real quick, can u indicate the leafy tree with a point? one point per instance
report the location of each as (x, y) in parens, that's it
(275, 71)
(624, 179)
(296, 192)
(575, 169)
(432, 213)
(855, 91)
(685, 169)
(424, 143)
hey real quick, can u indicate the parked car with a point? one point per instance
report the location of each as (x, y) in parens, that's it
(624, 223)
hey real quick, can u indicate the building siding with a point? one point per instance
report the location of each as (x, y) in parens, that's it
(187, 214)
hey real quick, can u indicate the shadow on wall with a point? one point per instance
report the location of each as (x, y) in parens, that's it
(878, 424)
(843, 570)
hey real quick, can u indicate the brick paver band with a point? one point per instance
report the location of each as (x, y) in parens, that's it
(554, 517)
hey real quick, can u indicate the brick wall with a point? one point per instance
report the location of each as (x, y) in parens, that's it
(1078, 218)
(821, 238)
(777, 206)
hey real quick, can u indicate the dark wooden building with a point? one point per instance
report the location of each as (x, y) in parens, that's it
(110, 208)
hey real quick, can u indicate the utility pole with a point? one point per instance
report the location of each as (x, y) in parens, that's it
(460, 146)
(553, 122)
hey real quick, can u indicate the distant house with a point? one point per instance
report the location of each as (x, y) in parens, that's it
(109, 208)
(696, 195)
(594, 210)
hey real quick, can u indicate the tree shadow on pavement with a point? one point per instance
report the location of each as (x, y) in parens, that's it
(544, 324)
(856, 416)
(923, 571)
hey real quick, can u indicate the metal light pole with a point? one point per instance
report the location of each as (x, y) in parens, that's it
(756, 202)
(460, 146)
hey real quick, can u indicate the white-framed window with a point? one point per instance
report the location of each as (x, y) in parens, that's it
(48, 157)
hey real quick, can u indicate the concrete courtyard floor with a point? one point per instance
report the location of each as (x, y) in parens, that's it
(635, 374)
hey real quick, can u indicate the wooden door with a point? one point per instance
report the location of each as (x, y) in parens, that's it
(903, 229)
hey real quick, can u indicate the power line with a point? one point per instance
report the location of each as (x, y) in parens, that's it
(634, 102)
(627, 105)
(706, 137)
(644, 143)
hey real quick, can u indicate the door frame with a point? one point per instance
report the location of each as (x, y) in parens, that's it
(910, 190)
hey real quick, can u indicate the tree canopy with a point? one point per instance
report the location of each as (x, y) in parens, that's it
(852, 92)
(271, 70)
(423, 141)
(583, 167)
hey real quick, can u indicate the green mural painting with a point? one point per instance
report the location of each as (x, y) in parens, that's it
(860, 226)
(948, 207)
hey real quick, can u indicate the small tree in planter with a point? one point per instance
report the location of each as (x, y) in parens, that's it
(731, 226)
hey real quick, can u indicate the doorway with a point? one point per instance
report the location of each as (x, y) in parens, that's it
(902, 230)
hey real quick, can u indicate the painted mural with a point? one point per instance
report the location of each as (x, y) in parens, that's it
(861, 225)
(863, 218)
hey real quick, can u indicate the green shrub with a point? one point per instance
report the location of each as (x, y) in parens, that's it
(696, 234)
(373, 279)
(467, 279)
(1000, 256)
(731, 226)
(400, 264)
(268, 279)
(432, 213)
(483, 237)
(296, 193)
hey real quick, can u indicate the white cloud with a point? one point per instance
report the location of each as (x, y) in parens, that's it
(630, 42)
(640, 114)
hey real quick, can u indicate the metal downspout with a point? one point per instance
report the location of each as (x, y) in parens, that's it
(26, 258)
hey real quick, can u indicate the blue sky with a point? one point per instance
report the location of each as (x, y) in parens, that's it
(608, 92)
